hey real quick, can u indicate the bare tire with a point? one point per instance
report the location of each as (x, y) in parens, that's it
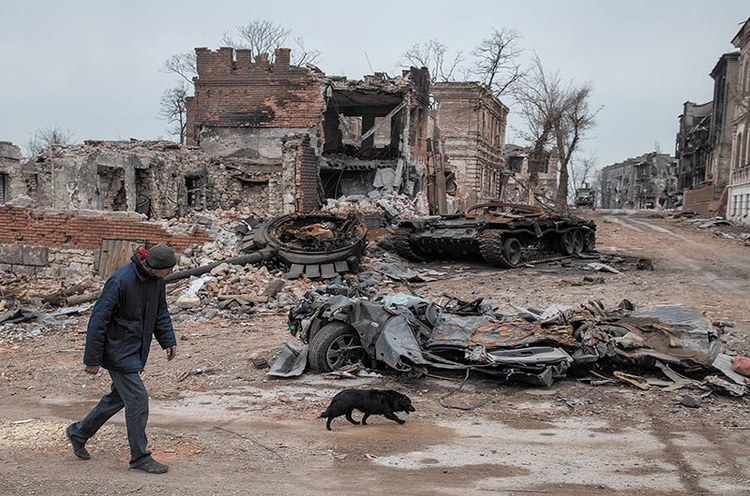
(335, 345)
(512, 251)
(579, 241)
(566, 243)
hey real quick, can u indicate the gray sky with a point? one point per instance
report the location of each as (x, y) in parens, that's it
(92, 67)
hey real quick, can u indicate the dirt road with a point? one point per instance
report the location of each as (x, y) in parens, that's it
(226, 428)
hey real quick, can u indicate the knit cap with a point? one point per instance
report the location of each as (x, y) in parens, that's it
(161, 257)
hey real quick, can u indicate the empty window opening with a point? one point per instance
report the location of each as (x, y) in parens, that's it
(194, 189)
(3, 187)
(111, 188)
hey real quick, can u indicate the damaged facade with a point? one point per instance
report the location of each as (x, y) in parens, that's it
(299, 137)
(648, 181)
(74, 208)
(692, 145)
(11, 176)
(712, 198)
(738, 204)
(517, 166)
(468, 135)
(160, 179)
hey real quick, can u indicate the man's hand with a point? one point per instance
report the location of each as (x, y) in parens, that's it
(92, 369)
(741, 365)
(171, 352)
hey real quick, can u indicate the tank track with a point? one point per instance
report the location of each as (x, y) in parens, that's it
(402, 245)
(491, 249)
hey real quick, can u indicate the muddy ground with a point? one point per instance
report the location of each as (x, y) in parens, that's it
(226, 428)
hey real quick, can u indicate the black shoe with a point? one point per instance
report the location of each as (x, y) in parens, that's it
(79, 448)
(150, 466)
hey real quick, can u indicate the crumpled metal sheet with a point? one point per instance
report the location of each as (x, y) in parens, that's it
(291, 362)
(406, 331)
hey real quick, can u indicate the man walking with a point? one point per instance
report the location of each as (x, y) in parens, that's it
(131, 309)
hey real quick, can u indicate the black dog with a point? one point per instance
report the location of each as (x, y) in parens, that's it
(368, 401)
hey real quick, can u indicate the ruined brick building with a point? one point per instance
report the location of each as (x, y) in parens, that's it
(11, 178)
(647, 181)
(713, 140)
(692, 144)
(704, 142)
(271, 138)
(738, 194)
(470, 123)
(518, 172)
(299, 137)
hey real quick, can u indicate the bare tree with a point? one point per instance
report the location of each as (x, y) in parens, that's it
(44, 137)
(263, 36)
(434, 55)
(183, 64)
(173, 109)
(302, 55)
(497, 60)
(556, 114)
(259, 36)
(582, 171)
(575, 119)
(540, 97)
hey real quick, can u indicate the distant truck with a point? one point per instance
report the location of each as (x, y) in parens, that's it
(586, 197)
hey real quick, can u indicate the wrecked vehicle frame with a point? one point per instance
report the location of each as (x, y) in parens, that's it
(503, 234)
(410, 334)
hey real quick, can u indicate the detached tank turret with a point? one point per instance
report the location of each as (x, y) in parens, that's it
(503, 234)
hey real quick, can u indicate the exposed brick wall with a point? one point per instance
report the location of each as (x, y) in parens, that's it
(235, 92)
(307, 165)
(472, 125)
(68, 230)
(420, 97)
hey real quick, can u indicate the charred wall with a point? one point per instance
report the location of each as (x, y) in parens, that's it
(233, 91)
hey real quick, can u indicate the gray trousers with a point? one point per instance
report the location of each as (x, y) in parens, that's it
(127, 392)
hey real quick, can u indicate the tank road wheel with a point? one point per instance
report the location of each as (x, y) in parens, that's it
(579, 241)
(512, 251)
(491, 247)
(402, 244)
(566, 243)
(335, 345)
(589, 241)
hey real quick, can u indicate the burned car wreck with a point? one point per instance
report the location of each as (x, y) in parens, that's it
(411, 334)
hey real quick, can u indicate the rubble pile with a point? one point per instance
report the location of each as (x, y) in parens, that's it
(390, 205)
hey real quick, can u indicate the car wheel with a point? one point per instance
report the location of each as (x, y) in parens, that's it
(335, 345)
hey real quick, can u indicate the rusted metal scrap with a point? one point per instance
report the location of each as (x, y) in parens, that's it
(503, 234)
(315, 244)
(412, 334)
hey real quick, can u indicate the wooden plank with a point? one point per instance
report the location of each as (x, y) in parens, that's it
(114, 253)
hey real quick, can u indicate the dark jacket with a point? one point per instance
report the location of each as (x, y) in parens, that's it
(131, 308)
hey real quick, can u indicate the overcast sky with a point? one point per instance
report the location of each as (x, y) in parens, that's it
(92, 67)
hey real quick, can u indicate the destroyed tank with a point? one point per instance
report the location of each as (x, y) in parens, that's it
(503, 234)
